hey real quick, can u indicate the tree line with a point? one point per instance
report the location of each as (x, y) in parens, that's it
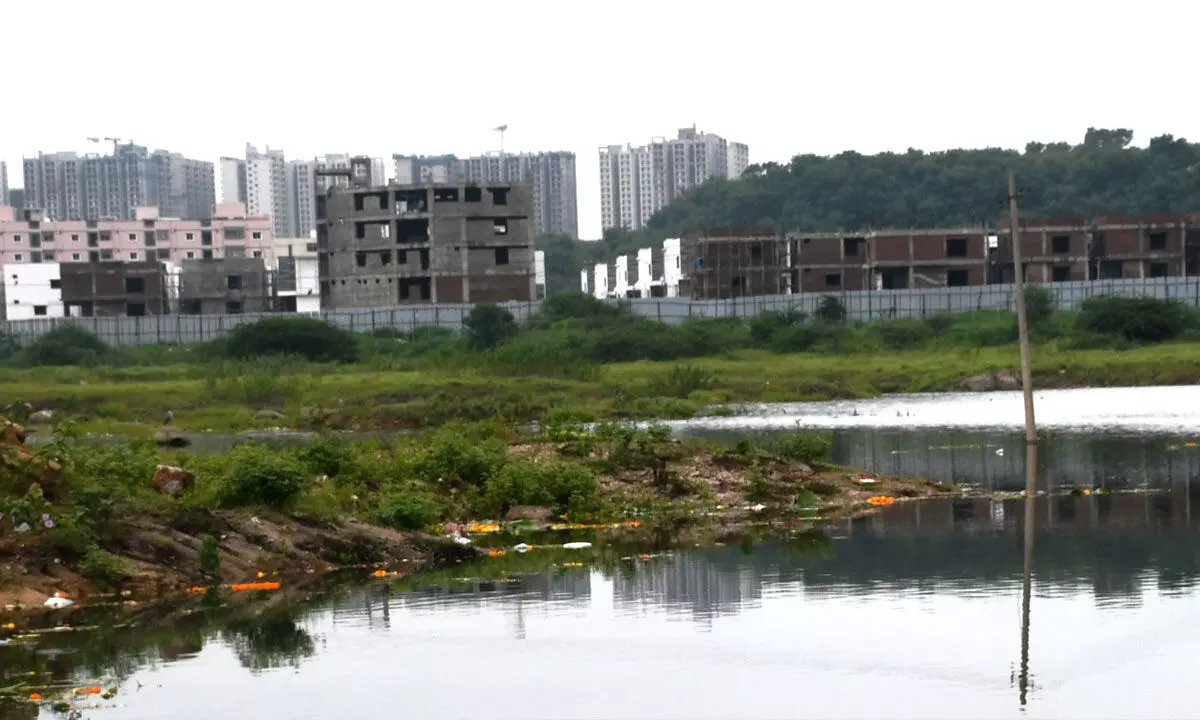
(1103, 175)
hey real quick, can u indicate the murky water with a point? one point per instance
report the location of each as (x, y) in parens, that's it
(913, 613)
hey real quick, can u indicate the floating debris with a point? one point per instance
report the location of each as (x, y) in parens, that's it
(483, 528)
(576, 545)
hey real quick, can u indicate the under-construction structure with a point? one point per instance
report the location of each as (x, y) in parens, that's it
(722, 263)
(431, 243)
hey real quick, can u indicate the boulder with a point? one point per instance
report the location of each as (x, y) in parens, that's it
(532, 513)
(268, 415)
(172, 480)
(171, 437)
(980, 383)
(11, 434)
(42, 417)
(1008, 380)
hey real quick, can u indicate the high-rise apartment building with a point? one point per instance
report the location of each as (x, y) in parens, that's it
(3, 183)
(422, 169)
(637, 182)
(68, 186)
(266, 187)
(233, 180)
(301, 197)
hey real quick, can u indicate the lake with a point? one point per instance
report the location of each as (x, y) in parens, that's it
(914, 612)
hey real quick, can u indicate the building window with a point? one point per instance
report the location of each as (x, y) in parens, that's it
(135, 285)
(39, 309)
(190, 255)
(74, 238)
(1060, 244)
(18, 258)
(164, 254)
(957, 278)
(75, 257)
(256, 253)
(55, 283)
(833, 279)
(133, 256)
(132, 237)
(256, 235)
(1060, 274)
(16, 238)
(1158, 270)
(233, 282)
(189, 236)
(501, 256)
(1158, 241)
(135, 309)
(233, 308)
(956, 247)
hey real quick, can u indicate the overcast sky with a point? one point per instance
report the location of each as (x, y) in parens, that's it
(785, 77)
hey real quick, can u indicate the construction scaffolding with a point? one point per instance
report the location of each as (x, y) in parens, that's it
(722, 263)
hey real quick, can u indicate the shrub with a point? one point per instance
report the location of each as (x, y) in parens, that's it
(764, 326)
(488, 326)
(1039, 305)
(681, 381)
(260, 475)
(407, 510)
(453, 455)
(562, 487)
(210, 557)
(831, 310)
(1136, 319)
(578, 306)
(68, 345)
(802, 447)
(906, 334)
(103, 567)
(328, 455)
(307, 337)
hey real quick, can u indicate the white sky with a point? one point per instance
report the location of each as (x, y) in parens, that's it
(378, 77)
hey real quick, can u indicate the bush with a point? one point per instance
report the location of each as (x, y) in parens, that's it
(407, 510)
(259, 475)
(764, 326)
(103, 567)
(1039, 306)
(803, 447)
(907, 334)
(681, 381)
(488, 326)
(577, 306)
(831, 310)
(562, 487)
(68, 345)
(306, 337)
(454, 455)
(1136, 319)
(210, 557)
(328, 455)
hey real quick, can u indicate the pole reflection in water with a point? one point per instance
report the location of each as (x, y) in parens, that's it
(1027, 580)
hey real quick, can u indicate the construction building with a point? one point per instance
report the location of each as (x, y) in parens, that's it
(727, 263)
(229, 286)
(439, 242)
(114, 289)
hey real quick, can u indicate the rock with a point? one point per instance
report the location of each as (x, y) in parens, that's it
(1008, 380)
(533, 513)
(981, 383)
(802, 468)
(268, 415)
(172, 480)
(171, 437)
(42, 417)
(12, 434)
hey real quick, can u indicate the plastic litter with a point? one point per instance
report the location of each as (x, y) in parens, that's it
(58, 602)
(521, 548)
(462, 540)
(240, 587)
(881, 500)
(576, 545)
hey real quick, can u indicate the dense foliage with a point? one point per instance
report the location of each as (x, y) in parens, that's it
(305, 337)
(1104, 174)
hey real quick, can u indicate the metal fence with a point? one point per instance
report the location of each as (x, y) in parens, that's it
(861, 306)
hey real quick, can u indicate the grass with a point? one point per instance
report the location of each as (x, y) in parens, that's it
(111, 399)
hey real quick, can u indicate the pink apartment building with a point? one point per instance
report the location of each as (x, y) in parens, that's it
(25, 237)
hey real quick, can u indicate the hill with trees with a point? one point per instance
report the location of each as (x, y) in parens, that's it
(1105, 174)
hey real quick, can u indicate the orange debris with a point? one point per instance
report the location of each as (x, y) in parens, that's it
(881, 500)
(239, 587)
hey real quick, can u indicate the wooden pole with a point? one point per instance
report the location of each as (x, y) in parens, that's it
(1022, 322)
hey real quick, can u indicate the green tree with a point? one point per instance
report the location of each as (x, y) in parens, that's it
(488, 326)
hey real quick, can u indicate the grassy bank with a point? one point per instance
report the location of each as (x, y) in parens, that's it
(580, 359)
(101, 521)
(131, 401)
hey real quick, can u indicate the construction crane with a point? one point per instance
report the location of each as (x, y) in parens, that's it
(115, 141)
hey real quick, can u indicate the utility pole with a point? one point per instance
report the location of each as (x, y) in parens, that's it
(501, 129)
(1022, 322)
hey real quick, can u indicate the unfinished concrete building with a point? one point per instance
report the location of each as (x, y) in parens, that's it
(114, 289)
(889, 259)
(727, 263)
(440, 242)
(229, 286)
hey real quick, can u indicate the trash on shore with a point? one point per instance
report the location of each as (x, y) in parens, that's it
(522, 548)
(58, 601)
(879, 500)
(461, 540)
(240, 587)
(576, 545)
